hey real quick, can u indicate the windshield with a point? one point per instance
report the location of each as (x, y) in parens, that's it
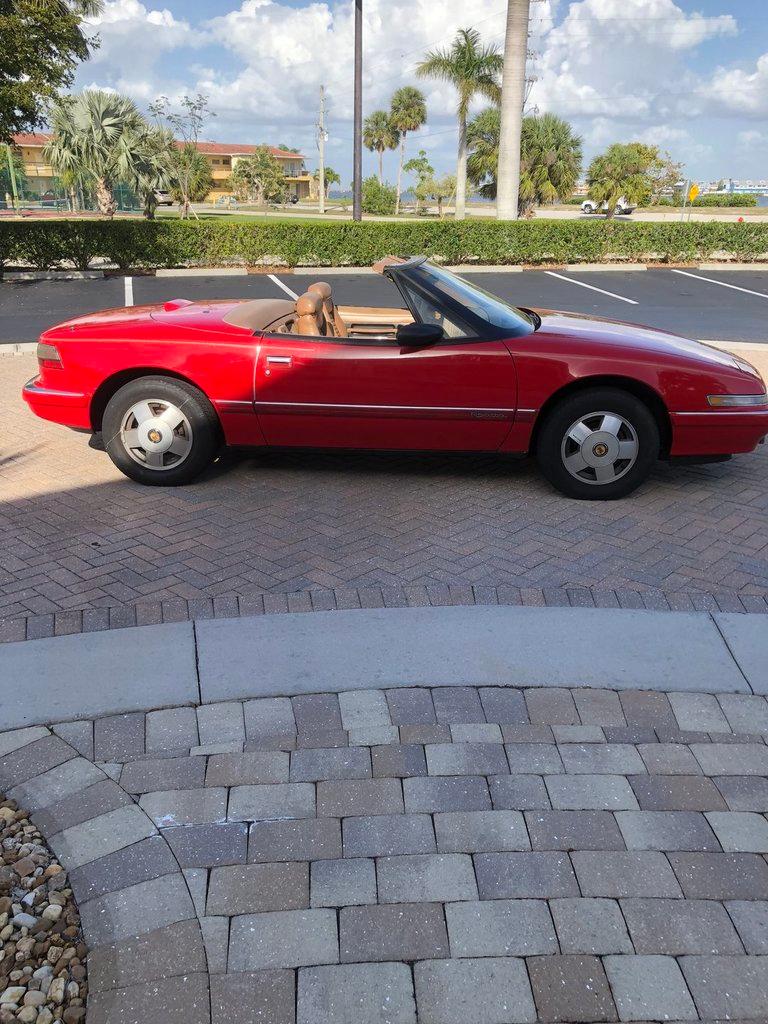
(478, 301)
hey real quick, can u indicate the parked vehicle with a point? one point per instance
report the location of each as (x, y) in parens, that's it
(225, 201)
(622, 207)
(164, 388)
(163, 197)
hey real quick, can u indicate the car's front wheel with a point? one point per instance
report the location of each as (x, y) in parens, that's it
(598, 444)
(160, 431)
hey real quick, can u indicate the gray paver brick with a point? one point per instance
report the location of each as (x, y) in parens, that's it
(601, 759)
(487, 989)
(751, 920)
(171, 729)
(573, 830)
(740, 831)
(644, 707)
(268, 717)
(454, 704)
(258, 888)
(140, 862)
(290, 938)
(62, 781)
(447, 793)
(504, 705)
(551, 706)
(666, 830)
(524, 875)
(599, 707)
(677, 793)
(185, 806)
(616, 873)
(466, 759)
(250, 769)
(78, 735)
(317, 711)
(744, 793)
(590, 926)
(314, 765)
(668, 759)
(25, 762)
(721, 876)
(360, 708)
(76, 808)
(731, 758)
(518, 792)
(534, 758)
(215, 932)
(355, 994)
(578, 734)
(100, 836)
(500, 928)
(728, 987)
(475, 732)
(319, 738)
(527, 734)
(480, 831)
(372, 735)
(118, 737)
(426, 733)
(281, 800)
(426, 878)
(745, 713)
(676, 927)
(698, 711)
(167, 952)
(571, 989)
(221, 723)
(163, 774)
(343, 883)
(395, 931)
(303, 839)
(398, 760)
(388, 835)
(591, 793)
(197, 883)
(15, 739)
(205, 846)
(412, 706)
(182, 1000)
(649, 988)
(253, 997)
(347, 797)
(136, 910)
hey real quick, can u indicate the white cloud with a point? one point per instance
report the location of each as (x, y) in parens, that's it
(738, 91)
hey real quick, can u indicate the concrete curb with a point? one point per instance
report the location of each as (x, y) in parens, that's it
(91, 675)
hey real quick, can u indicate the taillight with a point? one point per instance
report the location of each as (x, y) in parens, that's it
(48, 355)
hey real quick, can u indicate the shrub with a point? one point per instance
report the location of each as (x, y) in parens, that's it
(167, 243)
(740, 199)
(379, 198)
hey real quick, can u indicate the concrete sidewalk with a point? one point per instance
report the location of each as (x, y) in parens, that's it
(95, 674)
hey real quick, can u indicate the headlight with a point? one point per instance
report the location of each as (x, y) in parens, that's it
(738, 401)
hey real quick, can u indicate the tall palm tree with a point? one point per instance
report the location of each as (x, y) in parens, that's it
(550, 161)
(408, 112)
(473, 69)
(379, 134)
(512, 102)
(94, 137)
(153, 168)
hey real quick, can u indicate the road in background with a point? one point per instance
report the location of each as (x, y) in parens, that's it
(719, 305)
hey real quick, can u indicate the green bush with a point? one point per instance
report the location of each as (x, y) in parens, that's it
(739, 199)
(168, 243)
(379, 198)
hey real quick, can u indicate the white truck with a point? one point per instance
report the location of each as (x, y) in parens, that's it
(621, 207)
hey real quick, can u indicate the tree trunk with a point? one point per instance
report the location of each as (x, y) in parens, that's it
(73, 199)
(512, 100)
(105, 200)
(400, 172)
(461, 170)
(381, 166)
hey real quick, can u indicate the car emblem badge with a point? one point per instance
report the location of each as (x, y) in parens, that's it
(600, 450)
(155, 436)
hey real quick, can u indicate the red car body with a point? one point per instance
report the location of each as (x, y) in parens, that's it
(461, 394)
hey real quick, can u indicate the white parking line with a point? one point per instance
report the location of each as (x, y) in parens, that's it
(723, 284)
(280, 284)
(592, 288)
(128, 281)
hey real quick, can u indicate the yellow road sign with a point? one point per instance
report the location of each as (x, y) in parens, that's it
(693, 192)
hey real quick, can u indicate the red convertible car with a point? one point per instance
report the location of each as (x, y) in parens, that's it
(163, 388)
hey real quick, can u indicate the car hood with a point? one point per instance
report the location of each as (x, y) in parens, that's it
(616, 334)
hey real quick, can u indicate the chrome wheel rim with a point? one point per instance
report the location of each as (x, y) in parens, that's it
(156, 434)
(600, 448)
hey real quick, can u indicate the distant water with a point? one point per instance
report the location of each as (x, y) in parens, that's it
(762, 200)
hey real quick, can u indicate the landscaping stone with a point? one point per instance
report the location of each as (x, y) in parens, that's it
(171, 729)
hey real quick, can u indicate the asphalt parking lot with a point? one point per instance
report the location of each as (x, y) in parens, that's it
(711, 305)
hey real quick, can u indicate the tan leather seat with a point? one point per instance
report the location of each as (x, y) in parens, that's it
(309, 315)
(335, 325)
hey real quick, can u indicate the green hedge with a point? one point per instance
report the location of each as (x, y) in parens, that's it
(167, 243)
(737, 199)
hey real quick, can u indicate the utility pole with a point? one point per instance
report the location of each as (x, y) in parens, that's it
(321, 136)
(513, 88)
(357, 166)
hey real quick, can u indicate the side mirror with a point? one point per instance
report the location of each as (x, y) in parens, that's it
(419, 335)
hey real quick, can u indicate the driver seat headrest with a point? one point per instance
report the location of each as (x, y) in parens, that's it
(335, 324)
(309, 314)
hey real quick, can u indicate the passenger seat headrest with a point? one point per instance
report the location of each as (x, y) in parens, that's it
(321, 288)
(309, 304)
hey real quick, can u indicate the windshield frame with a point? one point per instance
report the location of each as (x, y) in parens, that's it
(424, 277)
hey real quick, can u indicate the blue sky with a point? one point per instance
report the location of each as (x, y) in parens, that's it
(689, 75)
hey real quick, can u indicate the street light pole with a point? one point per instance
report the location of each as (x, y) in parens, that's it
(357, 168)
(321, 146)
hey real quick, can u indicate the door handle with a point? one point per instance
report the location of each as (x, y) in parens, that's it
(280, 360)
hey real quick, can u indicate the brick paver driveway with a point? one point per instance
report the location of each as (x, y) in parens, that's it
(446, 856)
(354, 529)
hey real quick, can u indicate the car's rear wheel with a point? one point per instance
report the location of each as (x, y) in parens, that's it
(598, 444)
(160, 431)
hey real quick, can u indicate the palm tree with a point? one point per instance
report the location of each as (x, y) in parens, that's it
(622, 171)
(94, 138)
(154, 153)
(550, 161)
(379, 134)
(512, 102)
(408, 112)
(474, 70)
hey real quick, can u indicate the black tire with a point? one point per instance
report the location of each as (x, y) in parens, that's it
(555, 444)
(199, 434)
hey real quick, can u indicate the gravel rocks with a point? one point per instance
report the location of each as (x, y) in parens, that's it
(42, 953)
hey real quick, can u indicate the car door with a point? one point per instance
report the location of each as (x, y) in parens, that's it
(373, 393)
